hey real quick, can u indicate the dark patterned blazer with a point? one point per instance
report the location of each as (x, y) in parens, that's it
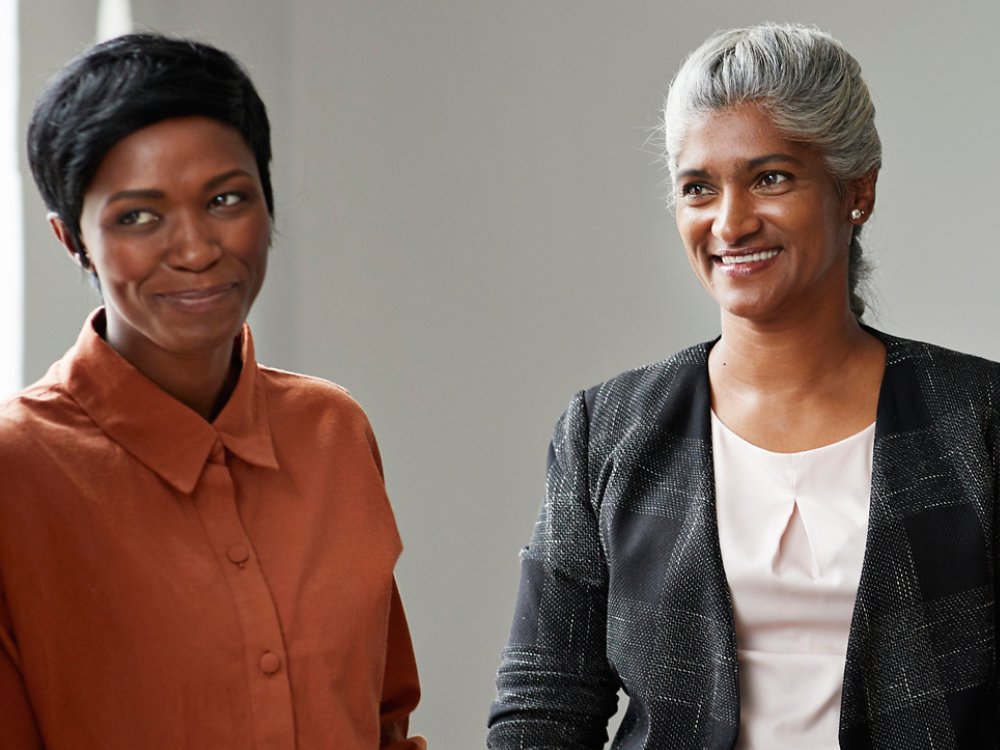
(623, 582)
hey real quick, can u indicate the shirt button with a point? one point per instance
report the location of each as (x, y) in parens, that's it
(238, 554)
(269, 663)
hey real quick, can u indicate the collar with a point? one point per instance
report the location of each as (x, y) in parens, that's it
(158, 430)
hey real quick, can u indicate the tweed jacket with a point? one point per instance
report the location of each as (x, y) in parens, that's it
(623, 583)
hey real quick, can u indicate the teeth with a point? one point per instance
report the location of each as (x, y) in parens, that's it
(730, 260)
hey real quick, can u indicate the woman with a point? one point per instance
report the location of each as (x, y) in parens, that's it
(196, 551)
(784, 538)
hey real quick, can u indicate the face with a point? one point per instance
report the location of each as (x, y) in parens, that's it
(764, 225)
(177, 230)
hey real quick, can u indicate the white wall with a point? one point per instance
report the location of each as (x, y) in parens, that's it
(55, 292)
(471, 228)
(11, 254)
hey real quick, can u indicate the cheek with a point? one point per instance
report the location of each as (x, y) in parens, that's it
(253, 239)
(689, 231)
(682, 227)
(124, 261)
(838, 229)
(260, 242)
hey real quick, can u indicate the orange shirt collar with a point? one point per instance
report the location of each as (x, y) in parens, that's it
(157, 429)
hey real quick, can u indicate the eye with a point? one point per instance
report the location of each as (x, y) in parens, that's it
(773, 179)
(224, 200)
(694, 190)
(137, 217)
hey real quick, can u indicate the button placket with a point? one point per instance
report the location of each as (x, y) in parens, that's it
(263, 641)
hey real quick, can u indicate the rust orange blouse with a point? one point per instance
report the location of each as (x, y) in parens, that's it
(170, 583)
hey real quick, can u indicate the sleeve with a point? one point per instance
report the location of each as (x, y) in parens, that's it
(555, 687)
(400, 688)
(994, 447)
(18, 728)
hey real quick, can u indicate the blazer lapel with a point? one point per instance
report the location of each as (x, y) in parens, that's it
(668, 596)
(910, 670)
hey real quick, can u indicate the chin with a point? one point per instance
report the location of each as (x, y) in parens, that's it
(740, 306)
(202, 339)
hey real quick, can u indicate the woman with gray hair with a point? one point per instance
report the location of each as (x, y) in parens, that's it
(786, 537)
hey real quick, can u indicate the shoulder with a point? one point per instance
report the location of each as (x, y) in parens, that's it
(933, 355)
(939, 369)
(930, 390)
(41, 429)
(306, 400)
(645, 393)
(640, 403)
(658, 374)
(43, 406)
(307, 388)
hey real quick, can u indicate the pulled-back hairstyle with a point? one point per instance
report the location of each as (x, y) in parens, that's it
(123, 85)
(809, 86)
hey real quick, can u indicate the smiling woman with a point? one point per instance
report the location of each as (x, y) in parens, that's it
(784, 538)
(196, 550)
(177, 230)
(754, 206)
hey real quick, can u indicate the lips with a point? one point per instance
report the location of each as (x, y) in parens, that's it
(200, 293)
(200, 300)
(750, 257)
(745, 262)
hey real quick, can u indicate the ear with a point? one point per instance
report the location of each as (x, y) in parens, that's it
(861, 195)
(65, 237)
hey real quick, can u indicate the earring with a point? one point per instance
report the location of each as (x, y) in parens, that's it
(856, 213)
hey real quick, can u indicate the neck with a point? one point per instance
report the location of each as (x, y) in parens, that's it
(203, 384)
(789, 355)
(202, 380)
(798, 382)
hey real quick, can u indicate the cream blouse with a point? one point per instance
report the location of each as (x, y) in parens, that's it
(792, 528)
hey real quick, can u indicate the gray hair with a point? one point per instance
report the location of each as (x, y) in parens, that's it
(809, 86)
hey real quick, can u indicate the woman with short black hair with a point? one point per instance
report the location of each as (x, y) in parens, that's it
(196, 550)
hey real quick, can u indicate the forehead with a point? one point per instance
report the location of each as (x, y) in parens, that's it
(737, 138)
(172, 149)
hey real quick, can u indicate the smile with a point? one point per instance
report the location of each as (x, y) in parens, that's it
(199, 294)
(732, 260)
(199, 300)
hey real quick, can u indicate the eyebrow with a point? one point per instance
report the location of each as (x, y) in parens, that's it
(748, 166)
(219, 179)
(153, 194)
(134, 195)
(760, 161)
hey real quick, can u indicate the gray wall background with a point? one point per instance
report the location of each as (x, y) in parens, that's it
(471, 226)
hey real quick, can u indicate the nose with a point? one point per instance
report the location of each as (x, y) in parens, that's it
(735, 218)
(194, 245)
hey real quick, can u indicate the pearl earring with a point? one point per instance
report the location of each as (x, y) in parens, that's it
(856, 213)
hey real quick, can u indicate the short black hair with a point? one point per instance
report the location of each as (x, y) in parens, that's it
(123, 85)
